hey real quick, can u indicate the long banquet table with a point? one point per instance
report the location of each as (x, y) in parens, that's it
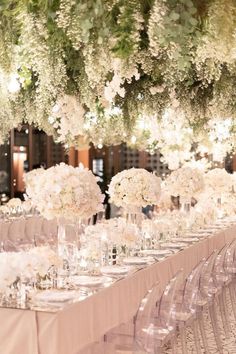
(71, 330)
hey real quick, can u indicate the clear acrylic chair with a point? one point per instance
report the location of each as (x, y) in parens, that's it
(152, 331)
(222, 280)
(162, 329)
(130, 336)
(230, 269)
(167, 306)
(209, 292)
(179, 306)
(187, 312)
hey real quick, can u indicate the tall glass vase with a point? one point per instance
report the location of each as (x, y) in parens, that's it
(133, 215)
(68, 238)
(185, 205)
(133, 233)
(220, 211)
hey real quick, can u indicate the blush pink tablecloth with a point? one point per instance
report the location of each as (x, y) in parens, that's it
(71, 330)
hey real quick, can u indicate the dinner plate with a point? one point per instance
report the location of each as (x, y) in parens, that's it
(211, 230)
(137, 260)
(86, 280)
(156, 252)
(175, 245)
(202, 234)
(116, 270)
(55, 296)
(184, 239)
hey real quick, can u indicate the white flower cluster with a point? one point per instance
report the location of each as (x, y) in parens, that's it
(67, 118)
(218, 181)
(217, 139)
(171, 135)
(63, 191)
(16, 206)
(16, 265)
(228, 204)
(107, 129)
(121, 73)
(135, 187)
(212, 204)
(14, 203)
(185, 183)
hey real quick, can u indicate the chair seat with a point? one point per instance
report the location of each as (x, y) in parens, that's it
(231, 270)
(183, 316)
(158, 332)
(223, 278)
(201, 302)
(110, 348)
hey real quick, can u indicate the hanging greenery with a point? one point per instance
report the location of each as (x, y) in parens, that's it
(89, 70)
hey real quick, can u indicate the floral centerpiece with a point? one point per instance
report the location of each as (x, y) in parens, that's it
(69, 194)
(219, 188)
(186, 182)
(134, 188)
(14, 203)
(206, 205)
(63, 191)
(218, 181)
(17, 267)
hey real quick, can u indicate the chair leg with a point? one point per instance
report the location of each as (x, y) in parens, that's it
(196, 338)
(226, 308)
(223, 316)
(232, 299)
(183, 340)
(158, 350)
(173, 345)
(203, 332)
(214, 323)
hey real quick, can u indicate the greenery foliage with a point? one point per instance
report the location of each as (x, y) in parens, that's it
(140, 56)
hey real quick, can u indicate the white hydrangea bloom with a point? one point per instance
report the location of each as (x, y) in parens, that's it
(135, 187)
(185, 182)
(63, 191)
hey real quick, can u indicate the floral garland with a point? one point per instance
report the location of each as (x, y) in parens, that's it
(141, 58)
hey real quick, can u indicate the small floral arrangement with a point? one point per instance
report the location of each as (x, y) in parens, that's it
(63, 191)
(218, 181)
(14, 206)
(135, 187)
(186, 182)
(27, 265)
(115, 231)
(14, 203)
(10, 269)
